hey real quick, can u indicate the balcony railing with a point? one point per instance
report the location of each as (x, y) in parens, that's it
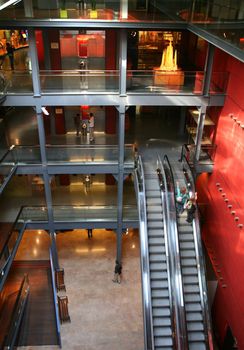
(104, 81)
(63, 154)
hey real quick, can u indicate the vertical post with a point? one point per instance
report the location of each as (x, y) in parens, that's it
(28, 6)
(34, 63)
(46, 49)
(121, 133)
(123, 62)
(181, 129)
(123, 9)
(208, 69)
(199, 134)
(47, 187)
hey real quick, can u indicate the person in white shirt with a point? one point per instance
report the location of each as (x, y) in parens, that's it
(91, 126)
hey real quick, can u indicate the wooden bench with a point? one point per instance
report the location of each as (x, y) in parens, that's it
(59, 279)
(63, 309)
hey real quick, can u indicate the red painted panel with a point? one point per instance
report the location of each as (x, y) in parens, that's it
(222, 236)
(55, 55)
(40, 48)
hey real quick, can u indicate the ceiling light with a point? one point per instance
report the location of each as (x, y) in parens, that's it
(45, 111)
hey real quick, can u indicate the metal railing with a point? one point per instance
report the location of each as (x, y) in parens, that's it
(168, 188)
(17, 314)
(146, 292)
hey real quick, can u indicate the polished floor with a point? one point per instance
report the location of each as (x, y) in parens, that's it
(104, 315)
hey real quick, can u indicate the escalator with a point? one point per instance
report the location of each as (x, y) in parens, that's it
(174, 294)
(161, 307)
(193, 271)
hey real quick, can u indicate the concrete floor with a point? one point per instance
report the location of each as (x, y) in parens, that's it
(104, 315)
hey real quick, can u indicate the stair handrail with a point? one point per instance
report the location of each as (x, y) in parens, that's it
(17, 314)
(146, 292)
(168, 191)
(201, 269)
(55, 299)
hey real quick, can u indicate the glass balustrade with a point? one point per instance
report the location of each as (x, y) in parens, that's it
(56, 154)
(76, 81)
(138, 81)
(79, 213)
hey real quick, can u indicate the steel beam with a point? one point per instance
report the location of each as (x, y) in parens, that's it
(34, 63)
(208, 69)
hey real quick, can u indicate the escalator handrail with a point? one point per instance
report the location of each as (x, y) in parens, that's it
(168, 256)
(146, 292)
(201, 270)
(175, 262)
(20, 303)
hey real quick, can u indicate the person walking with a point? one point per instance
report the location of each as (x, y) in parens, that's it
(91, 122)
(77, 123)
(10, 53)
(117, 272)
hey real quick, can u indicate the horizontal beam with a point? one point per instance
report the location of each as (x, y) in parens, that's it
(106, 99)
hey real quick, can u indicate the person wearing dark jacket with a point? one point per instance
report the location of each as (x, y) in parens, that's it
(117, 272)
(10, 53)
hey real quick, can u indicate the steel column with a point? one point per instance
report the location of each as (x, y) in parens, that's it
(124, 9)
(200, 126)
(34, 63)
(47, 187)
(28, 6)
(121, 134)
(123, 62)
(208, 69)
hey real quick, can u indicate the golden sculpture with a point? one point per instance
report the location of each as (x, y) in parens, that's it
(168, 73)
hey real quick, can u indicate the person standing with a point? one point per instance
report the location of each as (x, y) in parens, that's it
(10, 53)
(117, 272)
(91, 122)
(89, 233)
(181, 198)
(77, 123)
(190, 209)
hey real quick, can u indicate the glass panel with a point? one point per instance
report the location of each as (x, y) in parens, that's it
(79, 213)
(11, 242)
(111, 10)
(83, 154)
(79, 80)
(23, 154)
(177, 82)
(219, 81)
(18, 81)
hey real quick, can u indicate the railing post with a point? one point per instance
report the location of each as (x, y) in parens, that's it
(121, 133)
(47, 187)
(34, 63)
(123, 62)
(199, 134)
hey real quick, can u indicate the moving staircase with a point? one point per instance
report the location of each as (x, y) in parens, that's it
(174, 295)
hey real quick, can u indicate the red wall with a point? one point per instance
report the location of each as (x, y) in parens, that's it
(222, 236)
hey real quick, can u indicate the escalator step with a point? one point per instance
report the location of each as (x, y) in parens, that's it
(157, 258)
(154, 209)
(155, 216)
(191, 289)
(193, 316)
(192, 298)
(153, 201)
(161, 321)
(197, 346)
(185, 236)
(163, 341)
(186, 271)
(196, 336)
(192, 307)
(195, 326)
(160, 293)
(156, 249)
(155, 224)
(156, 241)
(187, 245)
(193, 280)
(162, 331)
(187, 253)
(154, 232)
(159, 284)
(161, 312)
(159, 275)
(160, 302)
(188, 262)
(158, 266)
